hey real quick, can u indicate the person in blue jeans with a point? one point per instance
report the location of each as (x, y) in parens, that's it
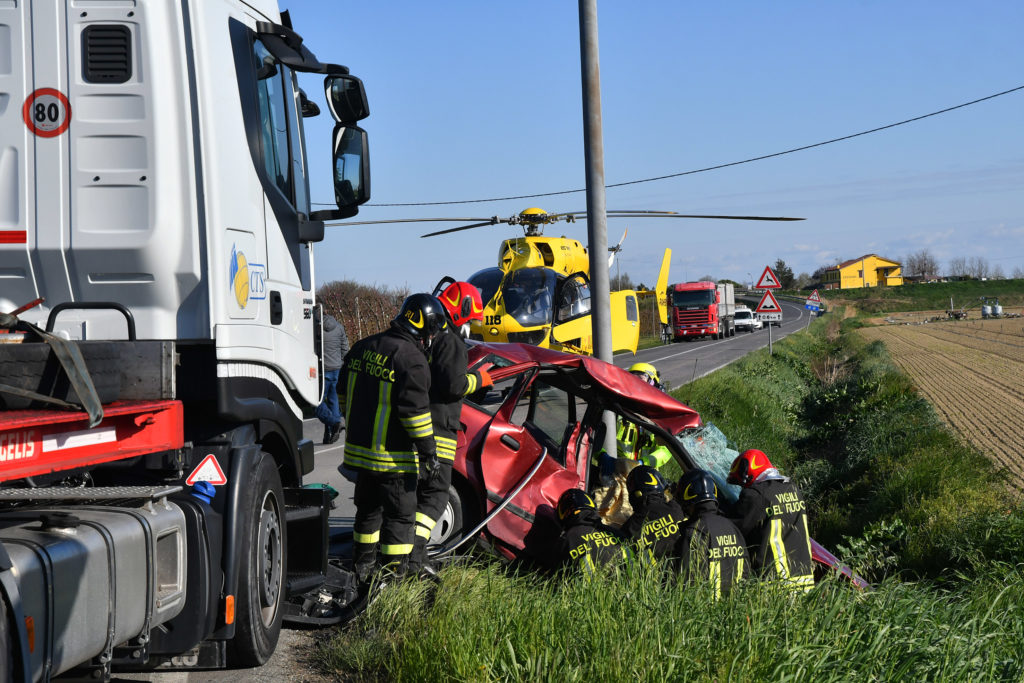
(335, 350)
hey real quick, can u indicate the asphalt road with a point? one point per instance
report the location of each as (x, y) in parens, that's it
(681, 362)
(678, 364)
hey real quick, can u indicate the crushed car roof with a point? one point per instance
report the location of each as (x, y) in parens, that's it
(632, 393)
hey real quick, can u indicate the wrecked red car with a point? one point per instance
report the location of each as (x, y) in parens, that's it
(533, 434)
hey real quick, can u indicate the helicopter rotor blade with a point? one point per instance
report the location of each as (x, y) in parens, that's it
(493, 221)
(673, 214)
(617, 248)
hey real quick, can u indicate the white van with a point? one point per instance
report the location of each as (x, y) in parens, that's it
(746, 320)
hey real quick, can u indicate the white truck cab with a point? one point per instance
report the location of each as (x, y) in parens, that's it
(156, 274)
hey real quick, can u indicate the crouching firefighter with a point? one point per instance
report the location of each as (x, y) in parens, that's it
(387, 411)
(587, 543)
(656, 522)
(711, 548)
(450, 381)
(772, 515)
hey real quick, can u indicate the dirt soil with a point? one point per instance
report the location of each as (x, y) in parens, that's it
(972, 372)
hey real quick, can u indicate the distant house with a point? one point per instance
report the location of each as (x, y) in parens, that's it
(870, 270)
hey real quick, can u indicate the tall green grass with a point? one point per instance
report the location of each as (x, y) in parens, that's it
(891, 490)
(486, 623)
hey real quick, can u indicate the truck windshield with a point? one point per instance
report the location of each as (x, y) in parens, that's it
(528, 295)
(742, 315)
(699, 297)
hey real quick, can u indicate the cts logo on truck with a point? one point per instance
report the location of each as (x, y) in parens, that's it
(239, 273)
(249, 280)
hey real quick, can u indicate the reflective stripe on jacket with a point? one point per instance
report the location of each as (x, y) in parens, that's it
(387, 408)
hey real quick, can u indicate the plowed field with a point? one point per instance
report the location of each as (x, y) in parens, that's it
(973, 373)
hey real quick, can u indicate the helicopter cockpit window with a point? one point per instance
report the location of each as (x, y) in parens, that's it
(699, 297)
(487, 281)
(528, 295)
(573, 299)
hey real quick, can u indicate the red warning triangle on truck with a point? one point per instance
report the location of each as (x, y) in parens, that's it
(768, 304)
(208, 470)
(768, 280)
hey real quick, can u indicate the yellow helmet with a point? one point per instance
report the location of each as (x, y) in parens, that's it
(647, 373)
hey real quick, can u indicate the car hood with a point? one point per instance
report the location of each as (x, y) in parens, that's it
(611, 383)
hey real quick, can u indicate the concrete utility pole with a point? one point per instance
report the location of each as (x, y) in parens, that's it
(597, 219)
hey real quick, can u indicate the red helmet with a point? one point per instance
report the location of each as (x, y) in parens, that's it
(463, 303)
(747, 467)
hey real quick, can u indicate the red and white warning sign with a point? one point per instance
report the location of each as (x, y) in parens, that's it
(47, 112)
(814, 298)
(768, 280)
(768, 304)
(208, 470)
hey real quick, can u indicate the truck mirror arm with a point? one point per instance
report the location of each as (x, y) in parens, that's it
(286, 46)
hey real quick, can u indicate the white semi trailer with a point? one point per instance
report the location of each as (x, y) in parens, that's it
(156, 247)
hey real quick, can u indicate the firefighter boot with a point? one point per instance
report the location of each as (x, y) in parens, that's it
(418, 556)
(364, 560)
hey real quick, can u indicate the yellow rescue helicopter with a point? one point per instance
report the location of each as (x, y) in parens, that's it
(539, 293)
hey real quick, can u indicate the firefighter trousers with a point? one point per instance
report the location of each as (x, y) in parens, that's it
(385, 512)
(431, 499)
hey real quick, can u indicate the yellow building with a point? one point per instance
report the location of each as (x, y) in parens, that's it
(870, 270)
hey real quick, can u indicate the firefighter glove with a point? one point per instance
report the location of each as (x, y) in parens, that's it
(430, 466)
(485, 379)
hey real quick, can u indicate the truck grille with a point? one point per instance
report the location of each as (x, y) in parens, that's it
(107, 53)
(690, 317)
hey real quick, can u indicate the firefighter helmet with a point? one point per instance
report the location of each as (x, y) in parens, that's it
(463, 303)
(747, 467)
(571, 503)
(695, 487)
(422, 316)
(647, 373)
(643, 481)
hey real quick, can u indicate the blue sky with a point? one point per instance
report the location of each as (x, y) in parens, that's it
(473, 100)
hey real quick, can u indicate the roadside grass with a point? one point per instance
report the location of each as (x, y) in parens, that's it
(892, 492)
(488, 623)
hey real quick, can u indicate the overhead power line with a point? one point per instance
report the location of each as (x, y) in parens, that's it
(713, 168)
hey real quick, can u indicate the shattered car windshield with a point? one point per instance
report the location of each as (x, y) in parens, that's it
(711, 450)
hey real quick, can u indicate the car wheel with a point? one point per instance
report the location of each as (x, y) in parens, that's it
(262, 569)
(455, 520)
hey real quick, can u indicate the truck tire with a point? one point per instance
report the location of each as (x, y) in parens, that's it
(6, 646)
(262, 569)
(34, 366)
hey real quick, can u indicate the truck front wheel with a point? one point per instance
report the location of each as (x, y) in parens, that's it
(262, 568)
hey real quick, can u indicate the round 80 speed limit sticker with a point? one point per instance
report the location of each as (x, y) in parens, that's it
(47, 112)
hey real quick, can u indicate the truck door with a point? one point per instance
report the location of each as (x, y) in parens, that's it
(539, 417)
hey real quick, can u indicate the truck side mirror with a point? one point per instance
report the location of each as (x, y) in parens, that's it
(351, 173)
(346, 98)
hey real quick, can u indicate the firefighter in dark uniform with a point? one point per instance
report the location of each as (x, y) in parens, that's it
(772, 516)
(450, 381)
(390, 438)
(656, 522)
(711, 548)
(586, 542)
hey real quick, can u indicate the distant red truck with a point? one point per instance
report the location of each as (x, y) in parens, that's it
(702, 309)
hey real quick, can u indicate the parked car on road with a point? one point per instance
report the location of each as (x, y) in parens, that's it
(536, 432)
(746, 320)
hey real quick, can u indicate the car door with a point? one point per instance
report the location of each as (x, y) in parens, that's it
(537, 429)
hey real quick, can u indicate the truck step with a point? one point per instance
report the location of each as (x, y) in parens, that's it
(89, 493)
